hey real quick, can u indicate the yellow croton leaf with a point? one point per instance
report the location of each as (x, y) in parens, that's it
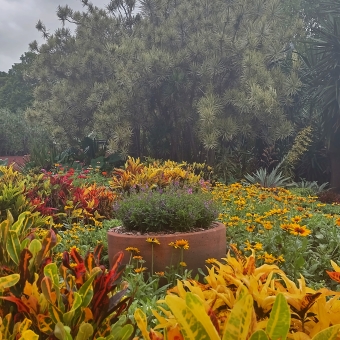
(335, 266)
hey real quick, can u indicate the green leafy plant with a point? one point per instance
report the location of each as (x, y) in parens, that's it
(267, 179)
(241, 301)
(311, 186)
(173, 209)
(80, 300)
(3, 162)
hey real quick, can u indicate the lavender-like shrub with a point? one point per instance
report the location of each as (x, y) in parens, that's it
(171, 210)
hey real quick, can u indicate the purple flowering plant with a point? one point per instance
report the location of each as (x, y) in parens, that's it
(173, 209)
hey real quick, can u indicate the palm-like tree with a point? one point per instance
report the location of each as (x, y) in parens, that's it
(323, 59)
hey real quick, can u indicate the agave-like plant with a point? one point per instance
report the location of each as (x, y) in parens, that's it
(268, 179)
(312, 186)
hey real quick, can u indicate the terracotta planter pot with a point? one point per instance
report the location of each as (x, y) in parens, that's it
(210, 243)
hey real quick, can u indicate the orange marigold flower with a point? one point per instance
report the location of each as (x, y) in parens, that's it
(132, 249)
(152, 240)
(210, 260)
(172, 244)
(140, 270)
(182, 244)
(337, 221)
(137, 257)
(160, 273)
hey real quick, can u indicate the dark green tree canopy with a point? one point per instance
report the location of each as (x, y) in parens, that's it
(180, 79)
(16, 91)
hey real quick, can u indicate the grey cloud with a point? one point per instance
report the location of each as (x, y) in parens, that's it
(17, 24)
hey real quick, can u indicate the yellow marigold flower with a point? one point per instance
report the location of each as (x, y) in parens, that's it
(299, 230)
(320, 204)
(269, 258)
(278, 198)
(182, 244)
(285, 227)
(280, 259)
(182, 264)
(234, 219)
(248, 245)
(152, 240)
(137, 257)
(267, 225)
(258, 246)
(250, 228)
(132, 249)
(296, 219)
(160, 273)
(210, 260)
(140, 270)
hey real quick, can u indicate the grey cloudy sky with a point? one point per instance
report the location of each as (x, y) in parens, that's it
(17, 24)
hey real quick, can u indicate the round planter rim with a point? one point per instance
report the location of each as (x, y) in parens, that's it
(218, 225)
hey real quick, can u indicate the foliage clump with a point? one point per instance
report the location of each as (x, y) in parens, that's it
(241, 301)
(170, 210)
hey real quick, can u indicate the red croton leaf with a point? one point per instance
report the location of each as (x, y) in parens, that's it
(22, 308)
(96, 253)
(214, 319)
(76, 257)
(66, 260)
(104, 284)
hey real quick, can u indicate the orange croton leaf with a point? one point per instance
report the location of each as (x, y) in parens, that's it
(250, 267)
(155, 335)
(334, 275)
(174, 334)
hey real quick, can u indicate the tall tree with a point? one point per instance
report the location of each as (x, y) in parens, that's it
(74, 72)
(198, 75)
(323, 59)
(16, 91)
(185, 81)
(14, 133)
